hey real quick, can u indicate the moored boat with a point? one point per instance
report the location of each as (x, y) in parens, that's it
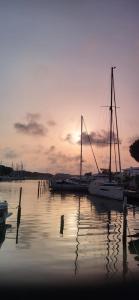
(4, 214)
(106, 189)
(69, 185)
(106, 186)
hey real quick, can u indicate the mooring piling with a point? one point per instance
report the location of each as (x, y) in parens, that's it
(38, 189)
(18, 214)
(62, 224)
(42, 187)
(20, 195)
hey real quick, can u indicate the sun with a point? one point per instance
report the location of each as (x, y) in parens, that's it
(76, 136)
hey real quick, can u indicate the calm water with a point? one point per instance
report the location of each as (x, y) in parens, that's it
(90, 247)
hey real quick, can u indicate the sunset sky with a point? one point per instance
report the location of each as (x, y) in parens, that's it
(55, 63)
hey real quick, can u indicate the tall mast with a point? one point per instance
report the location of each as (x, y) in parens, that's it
(117, 128)
(81, 153)
(111, 119)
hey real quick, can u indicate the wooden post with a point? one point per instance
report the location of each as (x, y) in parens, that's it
(18, 214)
(20, 195)
(38, 188)
(62, 224)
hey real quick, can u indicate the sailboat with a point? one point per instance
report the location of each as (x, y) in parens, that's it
(75, 183)
(105, 186)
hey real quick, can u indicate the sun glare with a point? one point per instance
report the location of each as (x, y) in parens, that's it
(76, 137)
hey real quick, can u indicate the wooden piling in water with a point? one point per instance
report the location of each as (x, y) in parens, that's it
(18, 214)
(20, 195)
(38, 189)
(62, 224)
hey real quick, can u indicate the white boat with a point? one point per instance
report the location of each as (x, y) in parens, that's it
(104, 186)
(106, 189)
(4, 214)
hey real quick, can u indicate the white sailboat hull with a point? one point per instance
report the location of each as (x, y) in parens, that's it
(106, 190)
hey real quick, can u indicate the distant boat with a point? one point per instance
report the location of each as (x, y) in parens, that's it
(73, 184)
(4, 214)
(106, 186)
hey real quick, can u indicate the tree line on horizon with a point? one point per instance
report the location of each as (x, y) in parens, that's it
(9, 171)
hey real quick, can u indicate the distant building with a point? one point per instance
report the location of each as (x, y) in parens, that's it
(132, 171)
(131, 177)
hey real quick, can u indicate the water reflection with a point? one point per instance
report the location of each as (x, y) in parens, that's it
(116, 231)
(114, 211)
(77, 238)
(104, 205)
(108, 245)
(87, 241)
(111, 218)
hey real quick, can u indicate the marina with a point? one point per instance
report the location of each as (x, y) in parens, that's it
(69, 148)
(64, 238)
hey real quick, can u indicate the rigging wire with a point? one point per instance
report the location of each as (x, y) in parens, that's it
(114, 143)
(91, 146)
(103, 151)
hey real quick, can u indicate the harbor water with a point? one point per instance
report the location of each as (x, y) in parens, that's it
(65, 238)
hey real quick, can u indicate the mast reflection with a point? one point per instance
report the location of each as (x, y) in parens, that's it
(108, 244)
(110, 212)
(112, 250)
(77, 237)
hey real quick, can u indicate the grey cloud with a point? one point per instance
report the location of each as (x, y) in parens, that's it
(31, 128)
(97, 138)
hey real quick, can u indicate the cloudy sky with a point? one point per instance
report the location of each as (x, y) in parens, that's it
(55, 63)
